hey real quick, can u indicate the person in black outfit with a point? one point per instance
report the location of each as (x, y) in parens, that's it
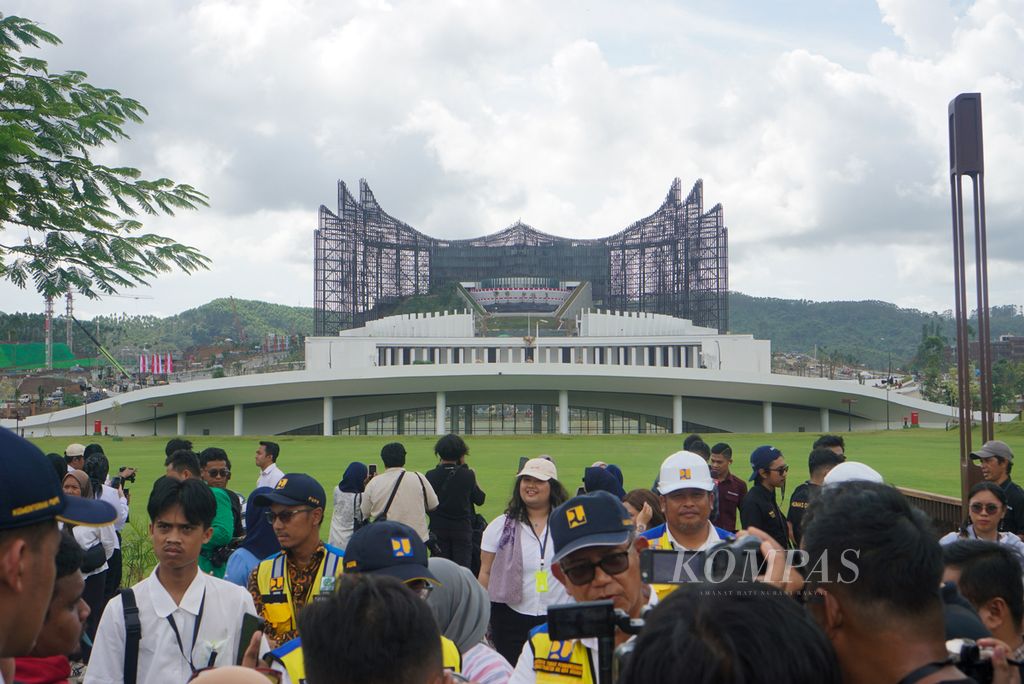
(996, 466)
(759, 508)
(451, 523)
(819, 463)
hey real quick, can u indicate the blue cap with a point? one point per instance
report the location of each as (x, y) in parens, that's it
(594, 519)
(295, 489)
(30, 491)
(762, 458)
(388, 548)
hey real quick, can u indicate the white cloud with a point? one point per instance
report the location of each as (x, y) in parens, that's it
(826, 148)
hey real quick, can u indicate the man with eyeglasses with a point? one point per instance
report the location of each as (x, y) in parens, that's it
(217, 473)
(597, 557)
(759, 508)
(304, 568)
(685, 486)
(385, 548)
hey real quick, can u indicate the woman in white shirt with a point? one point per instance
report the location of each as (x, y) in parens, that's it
(348, 497)
(98, 543)
(986, 509)
(515, 558)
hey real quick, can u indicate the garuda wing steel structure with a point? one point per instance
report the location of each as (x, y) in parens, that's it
(673, 262)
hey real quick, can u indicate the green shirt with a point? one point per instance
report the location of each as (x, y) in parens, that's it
(223, 527)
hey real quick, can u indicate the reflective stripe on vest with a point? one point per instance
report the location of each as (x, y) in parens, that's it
(557, 662)
(290, 656)
(276, 591)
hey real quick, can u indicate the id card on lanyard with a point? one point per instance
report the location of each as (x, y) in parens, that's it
(540, 577)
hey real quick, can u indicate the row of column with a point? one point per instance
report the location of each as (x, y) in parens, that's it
(440, 405)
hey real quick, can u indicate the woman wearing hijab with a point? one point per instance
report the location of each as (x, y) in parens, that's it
(462, 609)
(98, 544)
(260, 541)
(348, 497)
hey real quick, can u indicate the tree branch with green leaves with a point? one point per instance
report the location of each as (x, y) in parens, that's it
(68, 224)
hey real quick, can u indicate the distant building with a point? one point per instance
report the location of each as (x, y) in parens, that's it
(1006, 348)
(673, 262)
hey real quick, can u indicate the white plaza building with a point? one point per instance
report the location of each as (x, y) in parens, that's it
(434, 373)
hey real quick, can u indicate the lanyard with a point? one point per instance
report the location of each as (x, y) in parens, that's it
(195, 636)
(543, 544)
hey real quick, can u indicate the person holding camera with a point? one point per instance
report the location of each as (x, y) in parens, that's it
(451, 523)
(597, 556)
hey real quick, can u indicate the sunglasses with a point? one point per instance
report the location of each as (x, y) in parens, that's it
(218, 472)
(285, 516)
(420, 587)
(989, 508)
(781, 470)
(612, 564)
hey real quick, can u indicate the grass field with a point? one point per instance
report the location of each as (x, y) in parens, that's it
(922, 459)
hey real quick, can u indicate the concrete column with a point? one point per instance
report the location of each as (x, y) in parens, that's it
(824, 420)
(328, 416)
(472, 355)
(766, 413)
(390, 359)
(239, 419)
(632, 356)
(181, 424)
(439, 407)
(563, 412)
(657, 357)
(677, 415)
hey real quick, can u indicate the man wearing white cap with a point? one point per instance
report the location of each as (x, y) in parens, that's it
(74, 456)
(685, 485)
(849, 471)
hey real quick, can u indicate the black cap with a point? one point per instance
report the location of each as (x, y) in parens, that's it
(30, 491)
(295, 489)
(388, 548)
(594, 519)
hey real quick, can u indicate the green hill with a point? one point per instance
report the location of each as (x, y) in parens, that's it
(866, 331)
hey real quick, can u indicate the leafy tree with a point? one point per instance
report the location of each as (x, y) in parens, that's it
(78, 218)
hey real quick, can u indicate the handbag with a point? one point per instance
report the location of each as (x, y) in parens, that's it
(358, 521)
(95, 556)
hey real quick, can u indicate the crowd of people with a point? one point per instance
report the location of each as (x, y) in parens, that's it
(851, 584)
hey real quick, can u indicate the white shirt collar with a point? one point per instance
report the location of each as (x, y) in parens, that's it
(164, 605)
(268, 469)
(709, 541)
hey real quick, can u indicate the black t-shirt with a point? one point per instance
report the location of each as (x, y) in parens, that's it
(759, 509)
(798, 502)
(1014, 520)
(236, 513)
(457, 492)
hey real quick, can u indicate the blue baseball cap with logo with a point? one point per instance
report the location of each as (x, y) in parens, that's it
(388, 548)
(762, 457)
(594, 519)
(295, 489)
(30, 491)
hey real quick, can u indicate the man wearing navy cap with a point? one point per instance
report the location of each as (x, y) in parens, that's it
(759, 508)
(31, 503)
(597, 557)
(384, 548)
(304, 567)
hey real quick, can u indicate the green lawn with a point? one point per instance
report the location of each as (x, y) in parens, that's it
(922, 459)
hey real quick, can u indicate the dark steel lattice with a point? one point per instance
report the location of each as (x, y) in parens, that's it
(675, 261)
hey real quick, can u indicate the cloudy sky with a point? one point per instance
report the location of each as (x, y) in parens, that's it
(819, 126)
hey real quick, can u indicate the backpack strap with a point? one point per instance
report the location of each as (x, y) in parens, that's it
(133, 635)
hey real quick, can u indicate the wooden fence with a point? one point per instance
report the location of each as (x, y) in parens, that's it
(946, 512)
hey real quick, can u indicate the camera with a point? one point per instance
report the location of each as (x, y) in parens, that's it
(971, 659)
(598, 619)
(735, 558)
(119, 480)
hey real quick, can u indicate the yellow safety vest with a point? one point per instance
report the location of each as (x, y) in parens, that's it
(664, 543)
(276, 591)
(557, 662)
(290, 656)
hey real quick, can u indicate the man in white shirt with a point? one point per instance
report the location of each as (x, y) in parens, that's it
(266, 461)
(74, 456)
(597, 556)
(413, 496)
(189, 619)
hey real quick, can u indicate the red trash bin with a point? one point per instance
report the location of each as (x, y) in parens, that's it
(97, 427)
(915, 419)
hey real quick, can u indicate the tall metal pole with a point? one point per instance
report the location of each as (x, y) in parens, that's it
(888, 386)
(967, 159)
